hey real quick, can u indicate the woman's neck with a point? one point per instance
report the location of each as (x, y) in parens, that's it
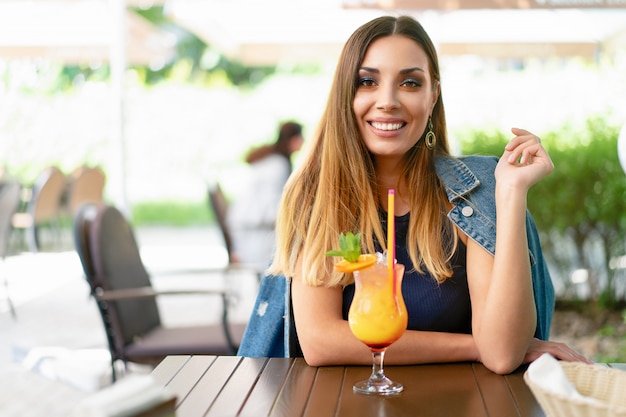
(388, 176)
(401, 202)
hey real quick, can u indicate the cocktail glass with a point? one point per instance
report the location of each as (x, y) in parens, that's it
(378, 317)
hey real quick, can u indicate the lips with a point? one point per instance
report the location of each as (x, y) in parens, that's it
(387, 126)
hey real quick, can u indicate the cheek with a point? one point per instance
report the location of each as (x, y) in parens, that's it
(421, 111)
(359, 106)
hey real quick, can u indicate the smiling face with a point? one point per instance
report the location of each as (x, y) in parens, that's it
(394, 97)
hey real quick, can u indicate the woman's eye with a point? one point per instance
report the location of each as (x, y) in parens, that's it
(413, 83)
(366, 82)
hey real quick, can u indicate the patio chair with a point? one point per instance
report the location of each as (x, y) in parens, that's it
(43, 207)
(126, 300)
(219, 206)
(84, 185)
(9, 204)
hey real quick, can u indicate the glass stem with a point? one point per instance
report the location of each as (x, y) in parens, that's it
(377, 366)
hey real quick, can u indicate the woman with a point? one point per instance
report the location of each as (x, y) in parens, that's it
(252, 217)
(470, 296)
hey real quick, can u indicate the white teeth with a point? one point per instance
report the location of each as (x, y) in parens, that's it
(387, 126)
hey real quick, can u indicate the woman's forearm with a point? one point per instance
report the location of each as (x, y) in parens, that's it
(340, 347)
(506, 324)
(417, 347)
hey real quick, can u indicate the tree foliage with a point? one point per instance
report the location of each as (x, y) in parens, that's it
(194, 58)
(192, 49)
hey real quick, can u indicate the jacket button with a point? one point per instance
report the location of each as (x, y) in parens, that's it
(467, 211)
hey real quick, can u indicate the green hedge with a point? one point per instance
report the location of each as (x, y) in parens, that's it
(172, 213)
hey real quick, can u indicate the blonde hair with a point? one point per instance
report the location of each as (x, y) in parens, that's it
(334, 189)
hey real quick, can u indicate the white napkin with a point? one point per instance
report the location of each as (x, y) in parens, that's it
(127, 397)
(548, 374)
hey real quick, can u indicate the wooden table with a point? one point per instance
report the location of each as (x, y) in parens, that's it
(234, 386)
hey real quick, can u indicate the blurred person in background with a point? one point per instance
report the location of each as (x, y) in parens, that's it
(252, 216)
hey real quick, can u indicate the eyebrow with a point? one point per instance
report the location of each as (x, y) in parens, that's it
(404, 71)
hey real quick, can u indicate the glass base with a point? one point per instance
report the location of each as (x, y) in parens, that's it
(376, 386)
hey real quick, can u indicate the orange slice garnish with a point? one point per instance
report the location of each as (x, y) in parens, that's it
(363, 262)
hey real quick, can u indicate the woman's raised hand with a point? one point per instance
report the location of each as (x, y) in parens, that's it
(524, 161)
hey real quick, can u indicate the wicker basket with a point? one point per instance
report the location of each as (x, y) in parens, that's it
(600, 382)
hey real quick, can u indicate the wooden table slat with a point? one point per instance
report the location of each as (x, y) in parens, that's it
(209, 386)
(326, 391)
(523, 396)
(447, 390)
(496, 393)
(168, 368)
(186, 378)
(261, 395)
(351, 404)
(253, 386)
(294, 393)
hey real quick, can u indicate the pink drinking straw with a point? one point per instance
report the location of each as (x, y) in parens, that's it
(391, 236)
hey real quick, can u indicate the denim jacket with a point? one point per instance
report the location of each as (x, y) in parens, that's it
(470, 185)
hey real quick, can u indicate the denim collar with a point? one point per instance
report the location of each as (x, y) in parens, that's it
(456, 175)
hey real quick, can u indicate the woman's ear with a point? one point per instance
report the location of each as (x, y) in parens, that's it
(435, 97)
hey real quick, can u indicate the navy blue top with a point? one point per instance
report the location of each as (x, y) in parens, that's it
(431, 306)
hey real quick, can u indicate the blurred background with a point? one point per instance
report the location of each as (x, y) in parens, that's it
(166, 96)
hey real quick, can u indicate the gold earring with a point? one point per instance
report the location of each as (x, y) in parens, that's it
(430, 139)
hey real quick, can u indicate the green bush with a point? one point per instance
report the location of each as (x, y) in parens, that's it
(172, 213)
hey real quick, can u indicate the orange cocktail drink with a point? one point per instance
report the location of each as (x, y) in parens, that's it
(378, 315)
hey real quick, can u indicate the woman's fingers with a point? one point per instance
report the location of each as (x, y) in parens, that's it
(524, 161)
(559, 350)
(523, 146)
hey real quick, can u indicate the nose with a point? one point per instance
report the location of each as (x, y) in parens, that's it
(387, 98)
